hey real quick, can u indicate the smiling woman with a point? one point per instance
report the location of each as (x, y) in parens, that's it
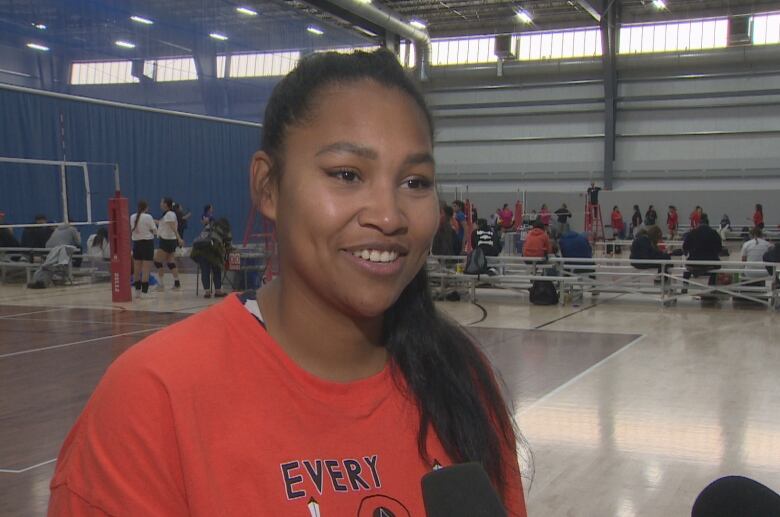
(336, 387)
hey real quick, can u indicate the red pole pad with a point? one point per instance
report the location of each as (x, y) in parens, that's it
(119, 239)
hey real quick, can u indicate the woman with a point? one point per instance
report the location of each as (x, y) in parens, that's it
(339, 385)
(636, 221)
(646, 246)
(98, 249)
(208, 215)
(672, 221)
(695, 218)
(758, 217)
(210, 253)
(618, 227)
(545, 216)
(170, 239)
(651, 216)
(142, 232)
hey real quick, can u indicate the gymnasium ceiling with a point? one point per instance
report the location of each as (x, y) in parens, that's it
(88, 28)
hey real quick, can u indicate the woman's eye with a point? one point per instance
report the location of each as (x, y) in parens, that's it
(345, 175)
(418, 183)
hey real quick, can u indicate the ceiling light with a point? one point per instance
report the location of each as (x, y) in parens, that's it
(314, 30)
(418, 24)
(35, 46)
(124, 44)
(39, 26)
(659, 4)
(364, 1)
(141, 19)
(524, 16)
(218, 36)
(247, 11)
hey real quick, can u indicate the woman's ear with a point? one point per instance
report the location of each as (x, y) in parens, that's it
(262, 186)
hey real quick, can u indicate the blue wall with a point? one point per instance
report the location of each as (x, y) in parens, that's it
(194, 161)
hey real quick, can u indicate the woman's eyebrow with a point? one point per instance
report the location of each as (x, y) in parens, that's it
(349, 147)
(418, 158)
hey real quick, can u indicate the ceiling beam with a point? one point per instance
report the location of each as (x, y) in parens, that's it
(585, 4)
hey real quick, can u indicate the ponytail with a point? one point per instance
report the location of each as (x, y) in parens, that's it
(452, 382)
(142, 206)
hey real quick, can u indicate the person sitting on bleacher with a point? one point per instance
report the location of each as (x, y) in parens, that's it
(36, 236)
(576, 245)
(645, 247)
(702, 243)
(537, 243)
(68, 235)
(486, 238)
(7, 239)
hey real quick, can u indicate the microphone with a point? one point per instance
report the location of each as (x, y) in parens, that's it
(736, 496)
(462, 490)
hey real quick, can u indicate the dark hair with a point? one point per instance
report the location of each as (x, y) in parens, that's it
(705, 219)
(168, 201)
(142, 206)
(293, 97)
(759, 208)
(654, 234)
(538, 224)
(756, 232)
(636, 207)
(206, 210)
(101, 235)
(615, 208)
(437, 362)
(459, 204)
(482, 224)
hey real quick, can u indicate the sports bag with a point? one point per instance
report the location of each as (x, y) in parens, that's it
(543, 292)
(476, 262)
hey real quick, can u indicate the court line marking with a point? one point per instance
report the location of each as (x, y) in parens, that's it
(579, 376)
(63, 345)
(22, 471)
(91, 322)
(7, 316)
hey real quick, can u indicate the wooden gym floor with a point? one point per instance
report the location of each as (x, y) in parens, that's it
(629, 409)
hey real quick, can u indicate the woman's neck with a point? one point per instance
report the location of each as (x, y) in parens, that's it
(318, 337)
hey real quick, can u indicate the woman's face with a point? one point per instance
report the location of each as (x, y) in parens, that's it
(356, 207)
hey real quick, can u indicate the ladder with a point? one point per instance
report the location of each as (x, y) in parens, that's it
(594, 223)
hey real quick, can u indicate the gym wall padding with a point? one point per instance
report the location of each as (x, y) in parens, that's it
(195, 161)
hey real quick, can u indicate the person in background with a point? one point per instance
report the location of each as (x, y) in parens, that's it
(651, 216)
(65, 233)
(593, 199)
(537, 242)
(563, 215)
(545, 216)
(724, 227)
(169, 238)
(754, 251)
(36, 236)
(208, 215)
(507, 217)
(695, 218)
(646, 247)
(575, 245)
(702, 243)
(182, 220)
(460, 218)
(211, 257)
(7, 238)
(485, 238)
(142, 232)
(636, 222)
(672, 222)
(98, 248)
(618, 226)
(495, 219)
(758, 217)
(445, 240)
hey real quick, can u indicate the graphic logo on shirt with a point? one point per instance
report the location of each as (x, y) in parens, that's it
(382, 506)
(302, 478)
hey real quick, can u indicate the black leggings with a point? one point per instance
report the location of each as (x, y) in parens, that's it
(206, 271)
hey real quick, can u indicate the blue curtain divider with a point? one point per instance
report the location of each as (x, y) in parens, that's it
(194, 161)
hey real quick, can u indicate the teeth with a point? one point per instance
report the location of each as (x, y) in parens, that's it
(376, 255)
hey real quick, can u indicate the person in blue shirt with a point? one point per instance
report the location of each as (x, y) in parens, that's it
(460, 215)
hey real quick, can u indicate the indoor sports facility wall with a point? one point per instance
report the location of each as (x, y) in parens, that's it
(193, 160)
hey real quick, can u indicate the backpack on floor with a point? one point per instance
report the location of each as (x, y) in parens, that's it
(543, 292)
(476, 262)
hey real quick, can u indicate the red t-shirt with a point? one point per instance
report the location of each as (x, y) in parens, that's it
(758, 218)
(672, 219)
(537, 244)
(695, 219)
(617, 221)
(210, 417)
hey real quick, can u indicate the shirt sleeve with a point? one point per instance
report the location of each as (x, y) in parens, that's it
(121, 457)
